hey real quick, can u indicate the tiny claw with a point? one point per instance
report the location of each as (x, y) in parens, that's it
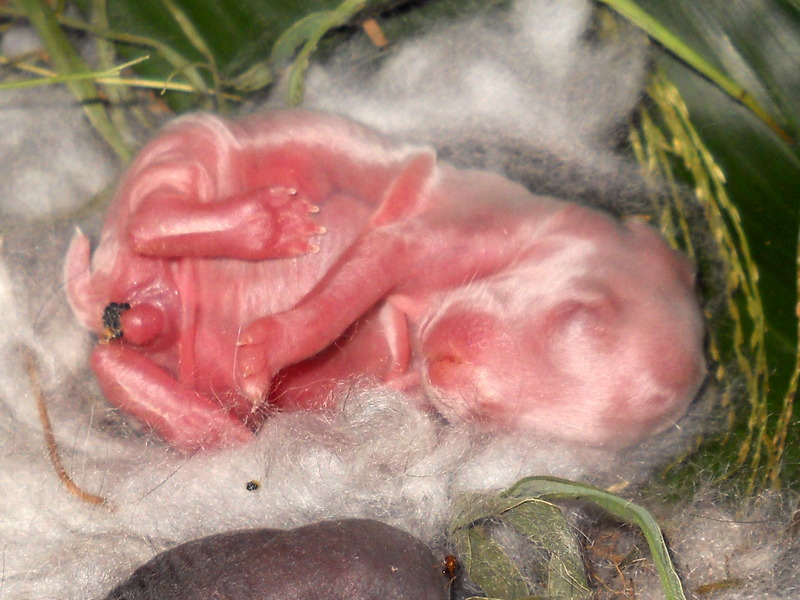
(291, 191)
(313, 208)
(313, 248)
(320, 230)
(245, 341)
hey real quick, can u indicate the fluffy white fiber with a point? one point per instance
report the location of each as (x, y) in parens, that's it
(529, 93)
(492, 74)
(533, 76)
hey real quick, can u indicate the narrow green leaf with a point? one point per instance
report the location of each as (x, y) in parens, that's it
(636, 15)
(199, 42)
(476, 507)
(188, 29)
(178, 62)
(540, 522)
(90, 75)
(256, 77)
(552, 488)
(313, 27)
(297, 35)
(781, 435)
(118, 96)
(492, 569)
(544, 524)
(68, 62)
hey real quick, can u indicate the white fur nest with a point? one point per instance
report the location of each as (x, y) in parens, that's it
(378, 456)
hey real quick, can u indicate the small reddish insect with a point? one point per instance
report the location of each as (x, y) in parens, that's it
(450, 567)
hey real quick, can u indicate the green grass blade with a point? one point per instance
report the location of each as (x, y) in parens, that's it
(68, 62)
(177, 61)
(297, 35)
(89, 75)
(197, 40)
(636, 15)
(307, 33)
(118, 96)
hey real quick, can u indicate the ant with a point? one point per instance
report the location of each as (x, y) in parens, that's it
(451, 567)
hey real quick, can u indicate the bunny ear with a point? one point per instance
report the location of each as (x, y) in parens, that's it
(78, 281)
(408, 191)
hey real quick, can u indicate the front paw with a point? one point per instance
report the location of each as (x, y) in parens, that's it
(292, 224)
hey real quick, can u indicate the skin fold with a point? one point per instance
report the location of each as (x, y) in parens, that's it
(269, 259)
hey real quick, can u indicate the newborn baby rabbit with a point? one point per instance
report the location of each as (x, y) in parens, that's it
(258, 263)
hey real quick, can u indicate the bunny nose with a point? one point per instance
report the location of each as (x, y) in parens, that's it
(142, 324)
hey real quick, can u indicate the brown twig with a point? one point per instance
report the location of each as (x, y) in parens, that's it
(375, 33)
(50, 440)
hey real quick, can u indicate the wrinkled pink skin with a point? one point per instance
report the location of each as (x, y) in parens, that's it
(270, 258)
